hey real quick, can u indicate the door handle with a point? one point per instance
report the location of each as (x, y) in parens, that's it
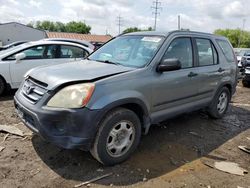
(192, 74)
(221, 70)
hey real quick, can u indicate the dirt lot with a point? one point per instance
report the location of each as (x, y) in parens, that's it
(172, 155)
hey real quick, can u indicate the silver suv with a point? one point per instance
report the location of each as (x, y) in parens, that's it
(104, 104)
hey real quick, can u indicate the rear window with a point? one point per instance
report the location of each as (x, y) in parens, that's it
(227, 50)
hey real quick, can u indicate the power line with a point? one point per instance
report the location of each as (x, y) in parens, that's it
(156, 8)
(119, 22)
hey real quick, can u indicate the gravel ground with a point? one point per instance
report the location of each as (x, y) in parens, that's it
(171, 155)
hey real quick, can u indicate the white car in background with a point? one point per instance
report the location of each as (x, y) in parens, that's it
(16, 61)
(240, 54)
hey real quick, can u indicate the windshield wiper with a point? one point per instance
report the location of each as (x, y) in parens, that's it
(106, 61)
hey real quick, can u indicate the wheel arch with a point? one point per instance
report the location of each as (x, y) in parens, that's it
(133, 104)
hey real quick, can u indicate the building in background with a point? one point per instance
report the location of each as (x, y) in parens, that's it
(96, 40)
(13, 31)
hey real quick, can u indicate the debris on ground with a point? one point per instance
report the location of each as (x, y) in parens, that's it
(11, 129)
(195, 134)
(1, 148)
(230, 167)
(93, 180)
(5, 137)
(245, 149)
(175, 163)
(241, 104)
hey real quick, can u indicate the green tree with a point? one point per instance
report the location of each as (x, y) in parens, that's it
(235, 36)
(135, 29)
(73, 27)
(78, 27)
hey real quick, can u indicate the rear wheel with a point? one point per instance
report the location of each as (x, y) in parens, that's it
(245, 83)
(118, 137)
(220, 104)
(2, 86)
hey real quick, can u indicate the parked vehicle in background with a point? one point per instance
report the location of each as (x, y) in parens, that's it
(16, 61)
(81, 42)
(240, 53)
(17, 43)
(136, 80)
(246, 76)
(245, 60)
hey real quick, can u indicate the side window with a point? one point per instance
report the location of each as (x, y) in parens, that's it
(51, 52)
(227, 49)
(206, 52)
(181, 48)
(37, 52)
(72, 52)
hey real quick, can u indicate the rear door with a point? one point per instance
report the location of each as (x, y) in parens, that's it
(209, 68)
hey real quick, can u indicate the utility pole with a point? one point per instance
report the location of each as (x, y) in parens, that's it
(179, 22)
(241, 33)
(119, 23)
(156, 8)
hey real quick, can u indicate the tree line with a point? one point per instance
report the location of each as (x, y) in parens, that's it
(237, 37)
(70, 27)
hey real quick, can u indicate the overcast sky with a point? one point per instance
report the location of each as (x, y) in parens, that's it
(199, 15)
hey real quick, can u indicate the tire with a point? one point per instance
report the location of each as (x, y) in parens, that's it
(220, 103)
(2, 86)
(117, 138)
(245, 83)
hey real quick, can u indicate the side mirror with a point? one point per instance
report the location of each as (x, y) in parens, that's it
(169, 65)
(19, 56)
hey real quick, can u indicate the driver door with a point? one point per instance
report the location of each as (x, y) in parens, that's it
(34, 57)
(175, 91)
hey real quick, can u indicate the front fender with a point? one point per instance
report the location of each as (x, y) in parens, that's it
(112, 100)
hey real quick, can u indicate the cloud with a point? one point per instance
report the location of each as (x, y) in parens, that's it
(10, 14)
(36, 4)
(236, 9)
(101, 15)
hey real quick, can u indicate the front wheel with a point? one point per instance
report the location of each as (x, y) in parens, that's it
(118, 137)
(220, 103)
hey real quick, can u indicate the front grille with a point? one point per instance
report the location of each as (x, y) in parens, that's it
(33, 90)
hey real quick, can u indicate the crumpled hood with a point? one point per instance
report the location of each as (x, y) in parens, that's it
(77, 71)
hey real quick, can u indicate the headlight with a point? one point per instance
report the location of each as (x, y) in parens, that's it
(74, 96)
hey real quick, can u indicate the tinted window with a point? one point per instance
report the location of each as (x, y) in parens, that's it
(38, 52)
(206, 52)
(50, 52)
(35, 52)
(181, 48)
(227, 50)
(72, 52)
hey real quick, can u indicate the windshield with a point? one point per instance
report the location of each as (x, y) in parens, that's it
(244, 52)
(132, 51)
